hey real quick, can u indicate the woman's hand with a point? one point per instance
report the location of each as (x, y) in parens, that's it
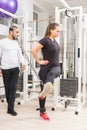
(43, 62)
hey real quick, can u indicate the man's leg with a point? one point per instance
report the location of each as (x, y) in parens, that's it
(12, 93)
(6, 80)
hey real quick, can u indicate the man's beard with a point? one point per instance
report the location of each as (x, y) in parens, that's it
(15, 37)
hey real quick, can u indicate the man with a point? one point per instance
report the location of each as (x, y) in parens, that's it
(11, 57)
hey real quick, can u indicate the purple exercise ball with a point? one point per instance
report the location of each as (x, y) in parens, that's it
(8, 5)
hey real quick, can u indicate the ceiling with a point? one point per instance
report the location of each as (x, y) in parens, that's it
(49, 5)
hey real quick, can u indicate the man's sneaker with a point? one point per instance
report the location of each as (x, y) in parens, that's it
(44, 116)
(47, 88)
(13, 113)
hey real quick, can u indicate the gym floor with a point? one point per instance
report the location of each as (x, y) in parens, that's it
(28, 118)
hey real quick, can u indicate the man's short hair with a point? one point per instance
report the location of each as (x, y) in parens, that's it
(12, 28)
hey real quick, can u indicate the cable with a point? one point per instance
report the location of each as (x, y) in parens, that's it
(29, 62)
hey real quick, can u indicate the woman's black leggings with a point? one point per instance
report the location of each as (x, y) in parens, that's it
(47, 75)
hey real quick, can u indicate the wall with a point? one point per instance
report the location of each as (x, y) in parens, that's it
(25, 6)
(43, 24)
(3, 31)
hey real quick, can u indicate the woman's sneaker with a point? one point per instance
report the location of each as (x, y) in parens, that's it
(47, 88)
(44, 116)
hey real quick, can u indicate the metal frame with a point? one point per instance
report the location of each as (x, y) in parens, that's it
(79, 58)
(8, 13)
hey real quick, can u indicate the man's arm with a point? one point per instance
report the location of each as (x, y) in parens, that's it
(21, 59)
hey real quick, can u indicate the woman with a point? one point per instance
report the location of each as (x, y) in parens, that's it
(49, 66)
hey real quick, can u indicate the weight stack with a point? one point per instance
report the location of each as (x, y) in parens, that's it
(30, 80)
(68, 87)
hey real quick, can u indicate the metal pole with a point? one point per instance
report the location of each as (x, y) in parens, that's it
(41, 20)
(79, 59)
(25, 77)
(84, 58)
(65, 47)
(57, 20)
(8, 13)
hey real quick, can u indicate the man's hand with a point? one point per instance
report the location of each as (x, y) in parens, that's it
(0, 73)
(23, 67)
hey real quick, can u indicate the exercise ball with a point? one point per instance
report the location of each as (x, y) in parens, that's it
(8, 5)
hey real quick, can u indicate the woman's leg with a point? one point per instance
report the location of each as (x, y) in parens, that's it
(43, 76)
(51, 75)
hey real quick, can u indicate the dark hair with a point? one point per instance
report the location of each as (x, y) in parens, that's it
(49, 27)
(12, 28)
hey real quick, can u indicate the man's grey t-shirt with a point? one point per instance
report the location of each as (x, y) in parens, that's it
(50, 52)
